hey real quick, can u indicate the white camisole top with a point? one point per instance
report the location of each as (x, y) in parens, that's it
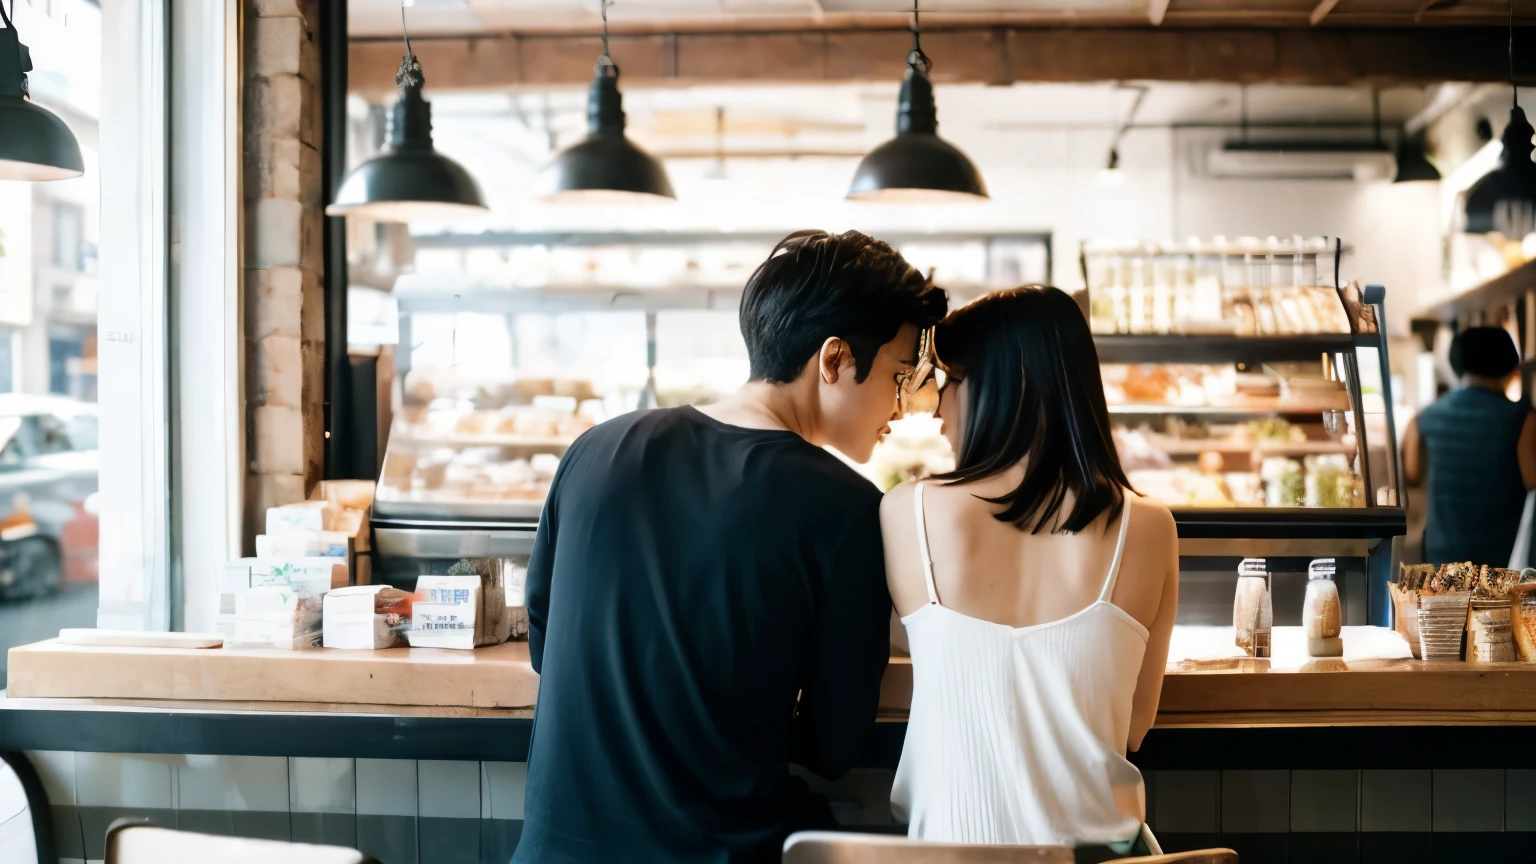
(1018, 734)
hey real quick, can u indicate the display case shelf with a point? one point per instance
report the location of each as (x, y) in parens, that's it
(1290, 523)
(1237, 412)
(1178, 447)
(1242, 350)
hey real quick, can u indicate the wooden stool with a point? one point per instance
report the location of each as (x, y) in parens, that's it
(131, 841)
(834, 847)
(1199, 856)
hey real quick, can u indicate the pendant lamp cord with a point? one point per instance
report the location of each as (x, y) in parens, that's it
(917, 59)
(409, 73)
(1514, 90)
(605, 61)
(8, 17)
(1376, 115)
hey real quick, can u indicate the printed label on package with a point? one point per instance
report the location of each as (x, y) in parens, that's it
(442, 617)
(448, 595)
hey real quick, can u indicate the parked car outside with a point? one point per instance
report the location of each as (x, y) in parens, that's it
(49, 465)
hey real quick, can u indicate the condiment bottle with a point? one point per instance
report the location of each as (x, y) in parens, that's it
(1252, 613)
(1320, 610)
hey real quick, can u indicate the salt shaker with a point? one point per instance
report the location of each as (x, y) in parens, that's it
(1252, 612)
(1320, 610)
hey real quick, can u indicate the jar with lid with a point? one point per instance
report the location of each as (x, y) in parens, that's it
(1253, 615)
(1320, 610)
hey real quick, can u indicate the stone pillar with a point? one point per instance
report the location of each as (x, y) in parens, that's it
(284, 265)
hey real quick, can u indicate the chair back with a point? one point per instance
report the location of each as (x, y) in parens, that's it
(832, 847)
(1199, 856)
(137, 842)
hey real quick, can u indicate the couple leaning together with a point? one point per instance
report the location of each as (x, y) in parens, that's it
(710, 592)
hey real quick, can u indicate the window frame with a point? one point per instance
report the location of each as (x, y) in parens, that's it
(168, 314)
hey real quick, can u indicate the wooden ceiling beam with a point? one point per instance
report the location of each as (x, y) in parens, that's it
(1321, 11)
(989, 55)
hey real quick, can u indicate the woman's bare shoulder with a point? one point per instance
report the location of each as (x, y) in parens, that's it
(897, 501)
(1151, 520)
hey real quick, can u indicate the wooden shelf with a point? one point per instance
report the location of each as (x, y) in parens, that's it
(489, 439)
(1220, 349)
(1194, 447)
(1139, 408)
(1496, 292)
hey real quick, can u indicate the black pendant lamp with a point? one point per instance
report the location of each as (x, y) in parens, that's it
(34, 143)
(1504, 199)
(605, 167)
(1413, 164)
(917, 165)
(410, 181)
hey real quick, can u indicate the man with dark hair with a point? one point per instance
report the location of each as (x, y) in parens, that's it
(1477, 450)
(706, 596)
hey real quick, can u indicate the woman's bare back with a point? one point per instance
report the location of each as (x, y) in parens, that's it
(991, 570)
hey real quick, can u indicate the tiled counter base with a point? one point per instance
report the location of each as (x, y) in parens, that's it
(401, 811)
(406, 811)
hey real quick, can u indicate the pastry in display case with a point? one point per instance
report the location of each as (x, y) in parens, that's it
(458, 446)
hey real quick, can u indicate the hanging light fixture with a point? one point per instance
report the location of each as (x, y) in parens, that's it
(34, 143)
(1112, 175)
(1413, 163)
(1504, 199)
(917, 165)
(410, 181)
(605, 167)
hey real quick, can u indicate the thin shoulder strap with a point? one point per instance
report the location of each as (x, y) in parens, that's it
(922, 543)
(1114, 566)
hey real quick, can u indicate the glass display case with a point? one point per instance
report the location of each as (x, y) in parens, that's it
(1249, 392)
(501, 369)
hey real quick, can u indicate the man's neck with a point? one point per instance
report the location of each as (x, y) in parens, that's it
(763, 405)
(1494, 384)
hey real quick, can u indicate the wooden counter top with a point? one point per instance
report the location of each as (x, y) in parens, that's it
(500, 676)
(1374, 684)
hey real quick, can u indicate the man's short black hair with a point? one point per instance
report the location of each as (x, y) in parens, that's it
(816, 285)
(1486, 352)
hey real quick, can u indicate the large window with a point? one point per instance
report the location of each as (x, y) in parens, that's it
(49, 475)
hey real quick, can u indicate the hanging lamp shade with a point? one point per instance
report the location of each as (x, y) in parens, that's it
(605, 167)
(1413, 164)
(1504, 199)
(410, 181)
(35, 144)
(917, 165)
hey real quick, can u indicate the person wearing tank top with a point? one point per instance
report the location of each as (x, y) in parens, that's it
(1037, 590)
(1477, 450)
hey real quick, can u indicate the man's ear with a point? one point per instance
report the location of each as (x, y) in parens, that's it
(829, 361)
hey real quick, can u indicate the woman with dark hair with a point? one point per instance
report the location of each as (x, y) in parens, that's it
(1037, 589)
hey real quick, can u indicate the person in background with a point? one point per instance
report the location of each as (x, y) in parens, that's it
(1477, 451)
(706, 594)
(1038, 593)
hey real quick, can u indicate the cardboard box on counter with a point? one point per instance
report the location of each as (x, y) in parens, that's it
(447, 612)
(308, 575)
(366, 616)
(277, 616)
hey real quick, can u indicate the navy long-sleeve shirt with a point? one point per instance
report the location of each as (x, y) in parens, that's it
(706, 604)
